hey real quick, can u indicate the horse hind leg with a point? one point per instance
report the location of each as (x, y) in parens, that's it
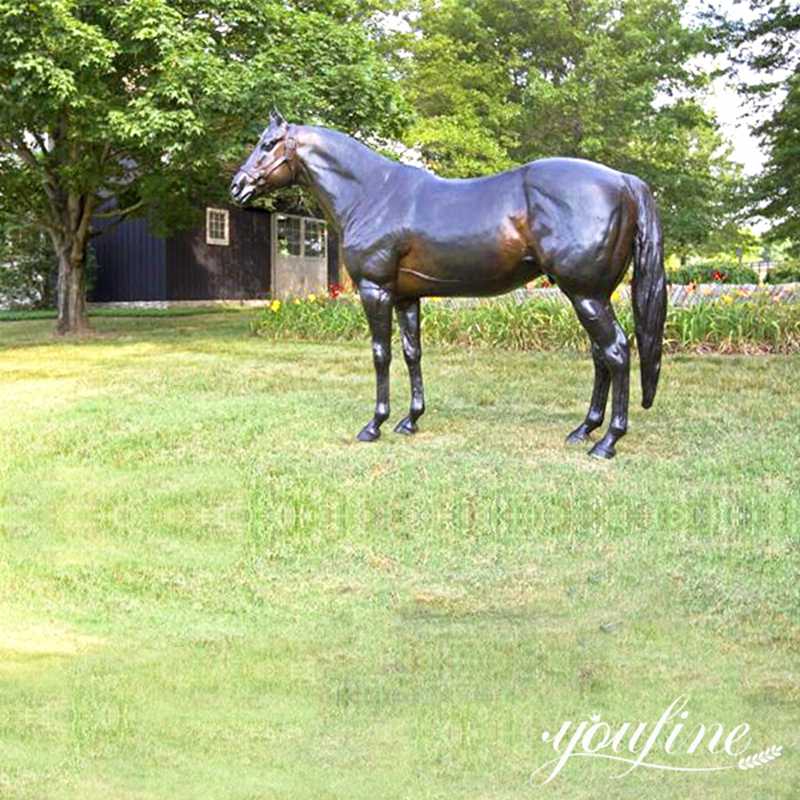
(597, 406)
(598, 319)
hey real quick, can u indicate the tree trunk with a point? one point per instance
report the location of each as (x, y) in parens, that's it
(70, 245)
(71, 291)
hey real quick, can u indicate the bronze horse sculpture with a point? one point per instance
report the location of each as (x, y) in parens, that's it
(407, 234)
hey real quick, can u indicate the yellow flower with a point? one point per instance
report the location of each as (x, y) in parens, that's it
(727, 299)
(275, 305)
(435, 299)
(296, 301)
(312, 298)
(617, 296)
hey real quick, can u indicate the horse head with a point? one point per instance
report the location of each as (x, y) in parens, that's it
(271, 165)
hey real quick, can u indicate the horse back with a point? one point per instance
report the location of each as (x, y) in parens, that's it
(489, 235)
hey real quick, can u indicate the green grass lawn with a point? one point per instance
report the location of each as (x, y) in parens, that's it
(208, 589)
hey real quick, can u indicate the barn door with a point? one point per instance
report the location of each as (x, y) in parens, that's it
(299, 256)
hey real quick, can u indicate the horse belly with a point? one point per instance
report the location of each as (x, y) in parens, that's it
(476, 265)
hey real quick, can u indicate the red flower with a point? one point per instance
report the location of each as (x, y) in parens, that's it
(334, 290)
(718, 276)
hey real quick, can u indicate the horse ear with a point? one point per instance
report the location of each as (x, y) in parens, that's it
(276, 117)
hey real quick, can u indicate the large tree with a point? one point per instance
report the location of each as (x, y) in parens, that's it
(110, 108)
(769, 44)
(496, 83)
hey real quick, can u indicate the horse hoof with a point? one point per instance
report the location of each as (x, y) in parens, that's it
(602, 451)
(578, 436)
(406, 427)
(369, 433)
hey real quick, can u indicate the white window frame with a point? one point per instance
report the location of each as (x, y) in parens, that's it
(224, 240)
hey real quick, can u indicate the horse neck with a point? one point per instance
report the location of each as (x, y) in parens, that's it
(340, 172)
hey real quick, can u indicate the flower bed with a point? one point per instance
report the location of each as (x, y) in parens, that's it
(692, 294)
(677, 294)
(736, 321)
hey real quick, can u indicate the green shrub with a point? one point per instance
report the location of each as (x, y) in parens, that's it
(786, 273)
(27, 269)
(713, 273)
(723, 325)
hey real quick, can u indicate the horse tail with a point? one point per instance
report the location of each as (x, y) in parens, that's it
(649, 289)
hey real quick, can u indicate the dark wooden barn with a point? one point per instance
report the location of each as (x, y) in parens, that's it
(235, 254)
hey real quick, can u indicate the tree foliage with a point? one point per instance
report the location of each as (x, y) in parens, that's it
(778, 189)
(496, 83)
(138, 104)
(27, 267)
(770, 46)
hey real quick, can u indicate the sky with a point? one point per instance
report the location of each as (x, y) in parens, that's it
(726, 103)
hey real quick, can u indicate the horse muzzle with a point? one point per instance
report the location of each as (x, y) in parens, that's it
(243, 187)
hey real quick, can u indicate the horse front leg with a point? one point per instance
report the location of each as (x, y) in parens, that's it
(408, 319)
(378, 303)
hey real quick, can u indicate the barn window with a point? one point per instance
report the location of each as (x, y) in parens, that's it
(290, 236)
(217, 226)
(301, 236)
(314, 238)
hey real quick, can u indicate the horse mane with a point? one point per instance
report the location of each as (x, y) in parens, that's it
(339, 146)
